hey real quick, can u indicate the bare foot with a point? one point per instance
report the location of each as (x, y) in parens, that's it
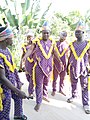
(31, 96)
(46, 99)
(62, 93)
(53, 93)
(37, 107)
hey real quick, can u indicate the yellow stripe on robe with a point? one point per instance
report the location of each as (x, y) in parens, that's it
(1, 105)
(89, 83)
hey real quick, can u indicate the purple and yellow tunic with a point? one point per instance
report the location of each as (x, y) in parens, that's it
(43, 55)
(29, 63)
(61, 49)
(43, 66)
(6, 63)
(79, 58)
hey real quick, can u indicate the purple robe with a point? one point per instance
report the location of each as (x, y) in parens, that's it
(45, 64)
(78, 69)
(58, 70)
(13, 77)
(29, 69)
(43, 70)
(79, 66)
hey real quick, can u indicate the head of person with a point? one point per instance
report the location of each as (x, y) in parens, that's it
(79, 32)
(6, 35)
(45, 31)
(63, 36)
(30, 35)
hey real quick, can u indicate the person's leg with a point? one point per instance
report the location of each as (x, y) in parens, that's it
(39, 87)
(4, 115)
(61, 82)
(45, 85)
(73, 87)
(54, 82)
(18, 110)
(85, 96)
(30, 86)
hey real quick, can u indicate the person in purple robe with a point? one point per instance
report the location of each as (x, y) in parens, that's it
(43, 55)
(78, 62)
(10, 83)
(62, 49)
(29, 63)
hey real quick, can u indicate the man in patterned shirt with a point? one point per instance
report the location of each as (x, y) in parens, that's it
(62, 49)
(43, 51)
(10, 84)
(78, 61)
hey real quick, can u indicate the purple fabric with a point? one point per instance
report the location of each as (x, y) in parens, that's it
(61, 46)
(14, 79)
(43, 69)
(84, 87)
(57, 67)
(78, 70)
(29, 68)
(39, 84)
(79, 67)
(30, 86)
(45, 64)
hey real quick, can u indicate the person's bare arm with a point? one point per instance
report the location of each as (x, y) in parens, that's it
(20, 68)
(28, 53)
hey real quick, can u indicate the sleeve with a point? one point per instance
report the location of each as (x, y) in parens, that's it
(1, 63)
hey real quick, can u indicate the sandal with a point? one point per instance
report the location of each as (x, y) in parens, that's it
(70, 100)
(86, 109)
(23, 117)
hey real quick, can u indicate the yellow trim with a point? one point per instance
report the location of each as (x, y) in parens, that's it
(1, 105)
(60, 55)
(40, 38)
(83, 52)
(11, 67)
(47, 56)
(89, 83)
(34, 74)
(24, 48)
(12, 59)
(30, 60)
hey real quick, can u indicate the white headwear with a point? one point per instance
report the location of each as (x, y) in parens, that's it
(80, 26)
(30, 33)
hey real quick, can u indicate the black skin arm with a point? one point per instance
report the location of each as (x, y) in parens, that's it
(69, 55)
(28, 53)
(7, 83)
(21, 69)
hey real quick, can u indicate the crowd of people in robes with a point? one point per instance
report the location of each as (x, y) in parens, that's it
(42, 56)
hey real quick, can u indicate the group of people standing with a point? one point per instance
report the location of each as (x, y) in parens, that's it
(41, 56)
(61, 58)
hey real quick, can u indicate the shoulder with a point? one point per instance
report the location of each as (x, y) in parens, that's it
(23, 45)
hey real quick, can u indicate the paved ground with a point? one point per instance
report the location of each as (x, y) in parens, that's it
(56, 109)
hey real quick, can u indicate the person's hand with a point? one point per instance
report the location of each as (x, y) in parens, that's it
(22, 95)
(24, 59)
